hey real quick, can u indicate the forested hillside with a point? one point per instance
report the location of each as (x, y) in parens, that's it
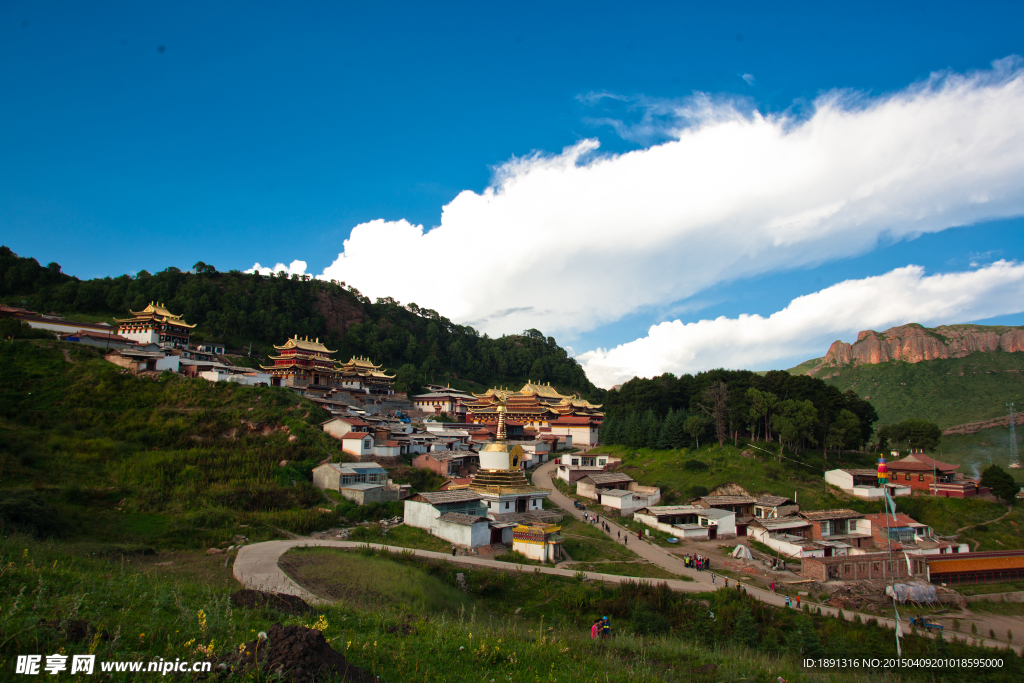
(677, 412)
(239, 308)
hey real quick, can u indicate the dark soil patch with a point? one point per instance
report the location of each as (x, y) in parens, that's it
(75, 630)
(296, 654)
(280, 602)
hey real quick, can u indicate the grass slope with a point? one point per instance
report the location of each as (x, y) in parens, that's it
(170, 461)
(403, 630)
(947, 392)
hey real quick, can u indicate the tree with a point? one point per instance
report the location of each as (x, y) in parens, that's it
(746, 629)
(795, 422)
(408, 379)
(1002, 485)
(716, 397)
(917, 434)
(695, 425)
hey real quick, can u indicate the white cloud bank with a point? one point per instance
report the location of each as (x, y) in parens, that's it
(810, 323)
(568, 242)
(296, 267)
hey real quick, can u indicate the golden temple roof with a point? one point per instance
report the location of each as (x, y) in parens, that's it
(304, 344)
(155, 311)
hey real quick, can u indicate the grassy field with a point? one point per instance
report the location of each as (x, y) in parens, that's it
(801, 477)
(404, 621)
(98, 454)
(947, 392)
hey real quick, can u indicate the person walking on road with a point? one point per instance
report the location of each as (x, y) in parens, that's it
(453, 551)
(772, 585)
(712, 579)
(787, 602)
(798, 602)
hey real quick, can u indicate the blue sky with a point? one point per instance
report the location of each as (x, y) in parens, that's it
(138, 136)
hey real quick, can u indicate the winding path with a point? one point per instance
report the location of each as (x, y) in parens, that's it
(256, 567)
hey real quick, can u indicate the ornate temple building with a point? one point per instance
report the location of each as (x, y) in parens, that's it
(156, 325)
(302, 362)
(360, 375)
(535, 405)
(501, 481)
(305, 362)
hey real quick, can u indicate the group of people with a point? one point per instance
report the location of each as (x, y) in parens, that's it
(697, 562)
(602, 628)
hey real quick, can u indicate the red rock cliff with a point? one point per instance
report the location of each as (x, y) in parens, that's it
(914, 343)
(341, 311)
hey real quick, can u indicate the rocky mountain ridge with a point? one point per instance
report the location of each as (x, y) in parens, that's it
(913, 343)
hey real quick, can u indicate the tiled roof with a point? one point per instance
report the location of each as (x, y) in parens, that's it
(822, 515)
(769, 500)
(356, 435)
(457, 496)
(919, 462)
(609, 478)
(460, 518)
(728, 500)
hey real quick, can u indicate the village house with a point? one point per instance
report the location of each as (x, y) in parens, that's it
(844, 527)
(863, 483)
(340, 426)
(923, 473)
(137, 361)
(359, 444)
(742, 506)
(591, 485)
(689, 522)
(574, 466)
(448, 463)
(905, 534)
(768, 506)
(360, 482)
(867, 567)
(789, 536)
(458, 516)
(107, 340)
(583, 429)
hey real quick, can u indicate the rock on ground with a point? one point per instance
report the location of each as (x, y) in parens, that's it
(296, 654)
(288, 604)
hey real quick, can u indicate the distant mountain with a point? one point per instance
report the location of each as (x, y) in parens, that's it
(915, 343)
(952, 375)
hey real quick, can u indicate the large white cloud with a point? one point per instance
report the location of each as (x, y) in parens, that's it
(810, 323)
(568, 242)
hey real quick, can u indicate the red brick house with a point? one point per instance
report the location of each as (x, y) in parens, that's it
(919, 472)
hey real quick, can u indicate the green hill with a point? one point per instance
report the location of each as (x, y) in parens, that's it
(91, 452)
(948, 392)
(242, 309)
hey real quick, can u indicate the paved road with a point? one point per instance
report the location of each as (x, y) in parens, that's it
(256, 567)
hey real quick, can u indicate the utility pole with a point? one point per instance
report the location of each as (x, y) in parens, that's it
(1014, 453)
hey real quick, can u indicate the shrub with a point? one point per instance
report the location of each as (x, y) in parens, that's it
(25, 511)
(695, 465)
(307, 494)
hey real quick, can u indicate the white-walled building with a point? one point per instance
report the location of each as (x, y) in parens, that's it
(359, 444)
(458, 517)
(583, 430)
(689, 521)
(863, 483)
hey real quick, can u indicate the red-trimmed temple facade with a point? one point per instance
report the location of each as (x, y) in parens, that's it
(302, 362)
(535, 405)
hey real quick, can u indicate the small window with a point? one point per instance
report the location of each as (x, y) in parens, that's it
(906, 476)
(920, 477)
(506, 506)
